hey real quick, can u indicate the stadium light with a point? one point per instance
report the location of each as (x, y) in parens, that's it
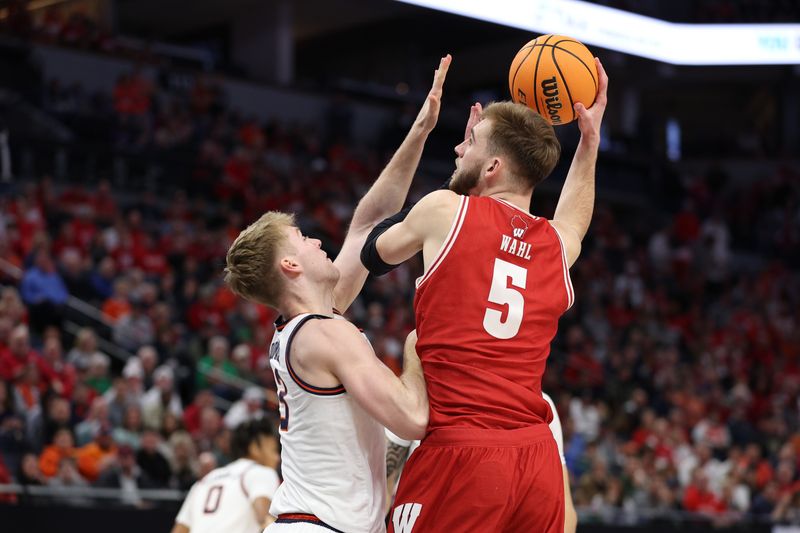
(614, 29)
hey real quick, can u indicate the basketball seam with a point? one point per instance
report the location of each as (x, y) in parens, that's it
(536, 74)
(566, 85)
(522, 62)
(573, 54)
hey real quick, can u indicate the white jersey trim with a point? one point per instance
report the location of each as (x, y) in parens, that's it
(509, 204)
(565, 268)
(452, 235)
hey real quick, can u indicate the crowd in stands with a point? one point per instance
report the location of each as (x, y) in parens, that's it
(676, 373)
(57, 25)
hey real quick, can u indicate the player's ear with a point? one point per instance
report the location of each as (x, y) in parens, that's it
(492, 168)
(290, 266)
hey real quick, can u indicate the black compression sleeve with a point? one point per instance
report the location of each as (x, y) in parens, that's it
(370, 257)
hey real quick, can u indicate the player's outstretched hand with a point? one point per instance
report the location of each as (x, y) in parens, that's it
(429, 113)
(589, 120)
(475, 115)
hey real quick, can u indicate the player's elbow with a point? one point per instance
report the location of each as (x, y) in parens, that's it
(418, 424)
(413, 425)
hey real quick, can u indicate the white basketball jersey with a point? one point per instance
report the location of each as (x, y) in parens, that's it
(333, 454)
(223, 500)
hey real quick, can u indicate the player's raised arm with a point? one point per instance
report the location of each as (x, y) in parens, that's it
(388, 194)
(423, 228)
(409, 238)
(400, 404)
(576, 203)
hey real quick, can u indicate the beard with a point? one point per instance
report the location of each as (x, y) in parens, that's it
(465, 179)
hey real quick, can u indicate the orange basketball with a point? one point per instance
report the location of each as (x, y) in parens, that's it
(552, 73)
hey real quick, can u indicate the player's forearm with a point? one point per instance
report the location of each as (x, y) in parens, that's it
(576, 203)
(416, 396)
(388, 194)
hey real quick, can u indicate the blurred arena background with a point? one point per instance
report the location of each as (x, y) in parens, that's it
(138, 137)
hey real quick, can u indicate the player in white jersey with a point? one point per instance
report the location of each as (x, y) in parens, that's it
(399, 450)
(236, 497)
(334, 393)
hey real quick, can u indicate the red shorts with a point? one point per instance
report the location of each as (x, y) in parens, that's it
(467, 480)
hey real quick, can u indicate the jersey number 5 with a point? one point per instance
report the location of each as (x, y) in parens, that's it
(504, 294)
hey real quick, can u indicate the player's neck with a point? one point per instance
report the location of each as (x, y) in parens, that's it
(303, 300)
(523, 201)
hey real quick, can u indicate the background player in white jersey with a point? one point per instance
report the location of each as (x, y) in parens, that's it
(398, 451)
(334, 393)
(236, 497)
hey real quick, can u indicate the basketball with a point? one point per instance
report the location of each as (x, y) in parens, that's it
(552, 73)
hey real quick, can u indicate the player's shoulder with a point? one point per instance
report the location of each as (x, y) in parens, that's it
(436, 208)
(322, 335)
(319, 329)
(261, 472)
(439, 200)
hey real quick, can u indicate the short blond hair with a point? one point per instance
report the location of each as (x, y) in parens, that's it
(251, 264)
(526, 138)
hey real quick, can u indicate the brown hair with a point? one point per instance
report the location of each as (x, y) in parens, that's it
(526, 138)
(251, 270)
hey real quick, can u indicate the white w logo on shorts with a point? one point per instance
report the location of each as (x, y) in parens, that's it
(405, 516)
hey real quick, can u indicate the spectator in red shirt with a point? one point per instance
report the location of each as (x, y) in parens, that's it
(18, 355)
(152, 259)
(118, 305)
(58, 375)
(204, 316)
(103, 203)
(191, 415)
(699, 499)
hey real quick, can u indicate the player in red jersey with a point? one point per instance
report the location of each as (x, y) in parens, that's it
(496, 282)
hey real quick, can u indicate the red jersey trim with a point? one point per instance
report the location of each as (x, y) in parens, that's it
(455, 228)
(565, 267)
(241, 482)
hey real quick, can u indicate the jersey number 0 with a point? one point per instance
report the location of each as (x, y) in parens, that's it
(505, 294)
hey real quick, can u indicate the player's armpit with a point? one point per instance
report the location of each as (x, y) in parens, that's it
(570, 239)
(338, 346)
(427, 222)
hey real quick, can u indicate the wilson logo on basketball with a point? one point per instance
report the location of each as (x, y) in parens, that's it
(550, 91)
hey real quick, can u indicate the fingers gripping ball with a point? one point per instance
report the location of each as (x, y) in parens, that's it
(551, 74)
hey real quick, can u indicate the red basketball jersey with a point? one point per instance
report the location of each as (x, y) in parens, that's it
(487, 309)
